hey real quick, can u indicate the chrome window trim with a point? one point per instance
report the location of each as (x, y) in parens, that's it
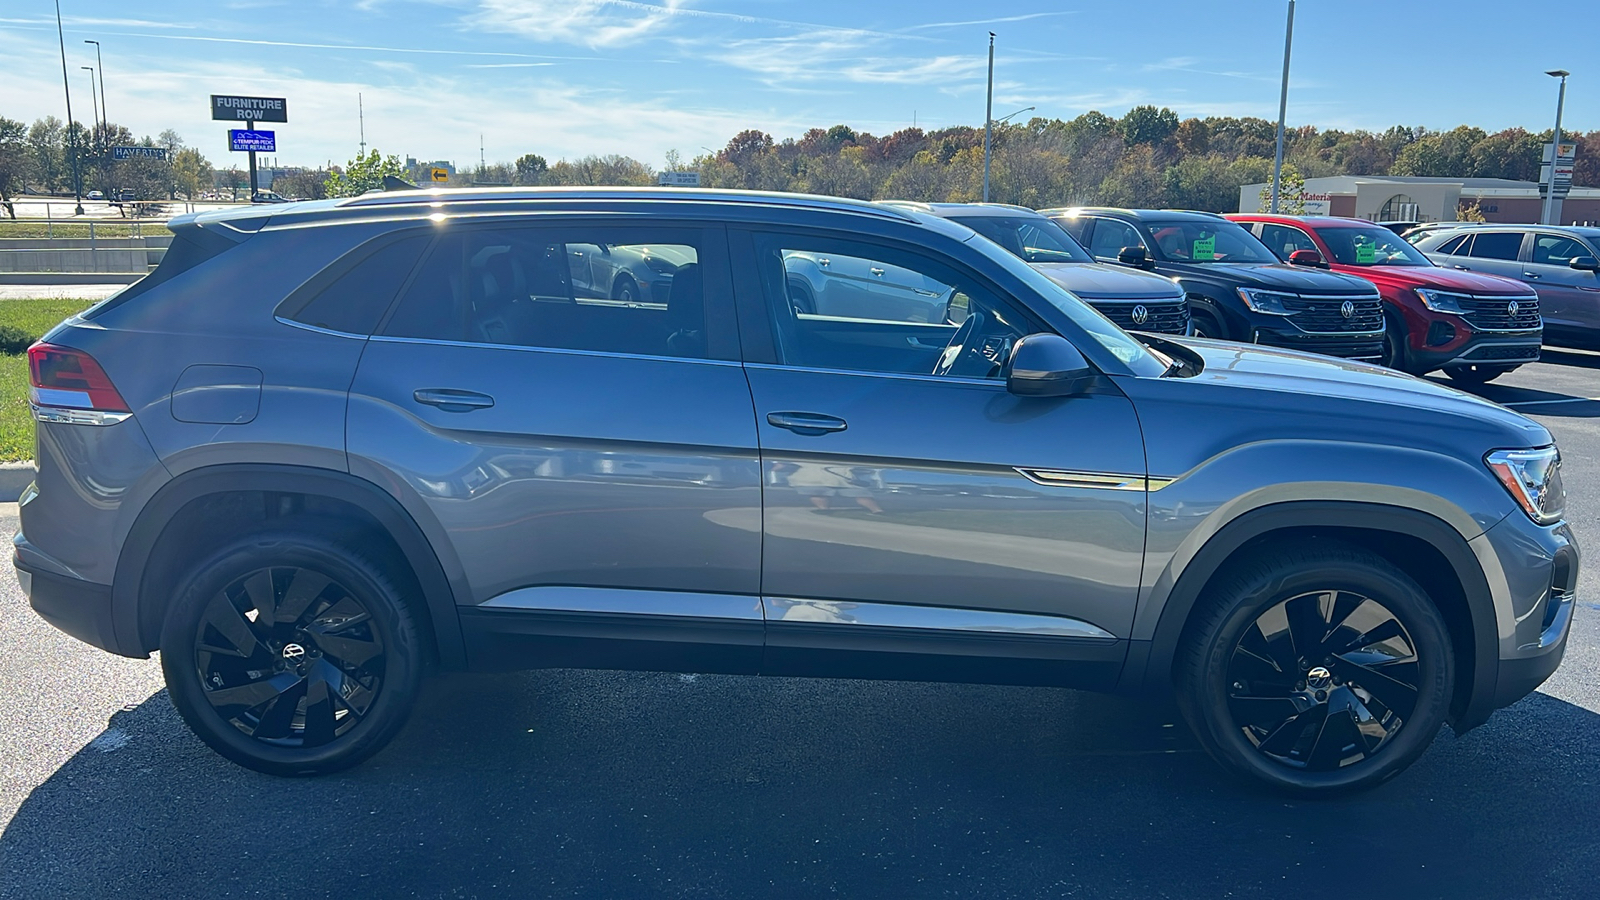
(997, 383)
(785, 611)
(318, 329)
(389, 339)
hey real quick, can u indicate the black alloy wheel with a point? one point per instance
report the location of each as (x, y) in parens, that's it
(288, 656)
(1323, 680)
(292, 652)
(1315, 667)
(1394, 346)
(1204, 325)
(625, 290)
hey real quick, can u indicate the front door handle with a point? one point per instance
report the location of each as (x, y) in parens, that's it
(451, 400)
(1462, 268)
(809, 424)
(1533, 275)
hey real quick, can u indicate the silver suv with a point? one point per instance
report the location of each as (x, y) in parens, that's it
(327, 446)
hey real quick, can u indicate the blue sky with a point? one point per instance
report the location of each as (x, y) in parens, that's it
(565, 78)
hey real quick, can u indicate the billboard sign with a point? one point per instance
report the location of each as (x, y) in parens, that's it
(138, 153)
(259, 141)
(680, 179)
(229, 108)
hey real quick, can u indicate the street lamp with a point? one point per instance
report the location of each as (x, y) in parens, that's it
(77, 177)
(1546, 214)
(1283, 109)
(988, 119)
(105, 114)
(986, 128)
(92, 102)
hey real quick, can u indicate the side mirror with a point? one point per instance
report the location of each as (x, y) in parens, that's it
(1046, 365)
(1138, 257)
(1585, 263)
(1309, 258)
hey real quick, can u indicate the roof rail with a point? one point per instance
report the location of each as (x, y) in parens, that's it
(670, 194)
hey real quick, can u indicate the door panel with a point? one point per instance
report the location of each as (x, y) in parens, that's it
(1569, 299)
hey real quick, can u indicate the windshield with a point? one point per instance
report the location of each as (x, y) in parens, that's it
(1138, 358)
(1371, 246)
(1033, 239)
(1207, 241)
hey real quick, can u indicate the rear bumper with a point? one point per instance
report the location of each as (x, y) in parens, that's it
(79, 608)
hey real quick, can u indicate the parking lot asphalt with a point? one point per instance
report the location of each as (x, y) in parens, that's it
(596, 784)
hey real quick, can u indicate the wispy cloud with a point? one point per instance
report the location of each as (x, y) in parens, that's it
(1187, 64)
(787, 61)
(527, 65)
(85, 20)
(369, 48)
(998, 20)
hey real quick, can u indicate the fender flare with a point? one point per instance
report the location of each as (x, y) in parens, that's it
(1185, 594)
(424, 544)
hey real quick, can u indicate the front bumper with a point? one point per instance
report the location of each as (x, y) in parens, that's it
(1533, 573)
(1362, 345)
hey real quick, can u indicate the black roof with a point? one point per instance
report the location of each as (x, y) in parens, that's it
(1137, 215)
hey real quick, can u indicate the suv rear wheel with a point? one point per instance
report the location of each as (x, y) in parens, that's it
(1318, 668)
(291, 654)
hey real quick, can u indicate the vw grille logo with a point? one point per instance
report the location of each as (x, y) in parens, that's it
(1511, 308)
(1142, 315)
(1347, 309)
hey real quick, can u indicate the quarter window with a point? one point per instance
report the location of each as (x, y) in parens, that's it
(355, 301)
(634, 291)
(1454, 246)
(1496, 245)
(855, 306)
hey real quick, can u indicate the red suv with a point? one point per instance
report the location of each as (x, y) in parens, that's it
(1475, 327)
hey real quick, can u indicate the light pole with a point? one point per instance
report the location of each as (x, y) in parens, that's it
(1000, 121)
(105, 114)
(1283, 109)
(988, 119)
(92, 102)
(1547, 213)
(77, 178)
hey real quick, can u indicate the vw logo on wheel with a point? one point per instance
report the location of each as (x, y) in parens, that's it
(293, 651)
(1347, 309)
(1511, 308)
(1140, 315)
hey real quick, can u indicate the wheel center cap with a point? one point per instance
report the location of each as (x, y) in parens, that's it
(1317, 679)
(293, 652)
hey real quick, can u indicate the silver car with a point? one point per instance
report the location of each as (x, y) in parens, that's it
(326, 447)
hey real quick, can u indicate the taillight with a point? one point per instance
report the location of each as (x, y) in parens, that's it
(69, 386)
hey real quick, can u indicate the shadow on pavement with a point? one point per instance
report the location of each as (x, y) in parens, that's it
(587, 784)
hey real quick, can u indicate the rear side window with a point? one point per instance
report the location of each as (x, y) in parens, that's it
(610, 290)
(355, 301)
(1496, 245)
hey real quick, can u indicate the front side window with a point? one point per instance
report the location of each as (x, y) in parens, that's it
(1110, 236)
(856, 306)
(1036, 240)
(1193, 240)
(1557, 249)
(1496, 245)
(635, 290)
(1283, 240)
(1370, 247)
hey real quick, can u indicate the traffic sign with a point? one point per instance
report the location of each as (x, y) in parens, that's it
(438, 174)
(679, 179)
(249, 109)
(138, 152)
(240, 139)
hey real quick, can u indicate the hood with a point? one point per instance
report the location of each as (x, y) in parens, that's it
(1328, 386)
(1441, 278)
(1274, 276)
(1094, 281)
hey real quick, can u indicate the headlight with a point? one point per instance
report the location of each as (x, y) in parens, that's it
(1439, 301)
(1533, 477)
(1268, 302)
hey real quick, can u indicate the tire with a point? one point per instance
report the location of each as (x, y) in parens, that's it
(625, 290)
(1395, 354)
(1260, 706)
(255, 693)
(800, 297)
(1477, 374)
(1205, 325)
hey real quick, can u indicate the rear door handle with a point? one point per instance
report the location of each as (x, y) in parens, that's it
(810, 424)
(1462, 268)
(1530, 275)
(451, 400)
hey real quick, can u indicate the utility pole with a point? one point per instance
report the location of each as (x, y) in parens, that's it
(480, 155)
(1283, 109)
(105, 112)
(1547, 213)
(361, 117)
(77, 174)
(988, 119)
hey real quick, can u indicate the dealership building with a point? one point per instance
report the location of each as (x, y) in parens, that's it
(1398, 198)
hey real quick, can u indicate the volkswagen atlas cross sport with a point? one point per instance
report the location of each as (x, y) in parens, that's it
(1475, 327)
(327, 446)
(1237, 289)
(1136, 301)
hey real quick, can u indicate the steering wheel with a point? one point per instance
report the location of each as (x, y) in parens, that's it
(962, 347)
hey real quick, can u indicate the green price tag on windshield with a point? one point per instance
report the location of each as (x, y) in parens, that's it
(1366, 254)
(1205, 248)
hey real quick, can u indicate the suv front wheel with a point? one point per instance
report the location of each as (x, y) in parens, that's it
(1316, 667)
(291, 654)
